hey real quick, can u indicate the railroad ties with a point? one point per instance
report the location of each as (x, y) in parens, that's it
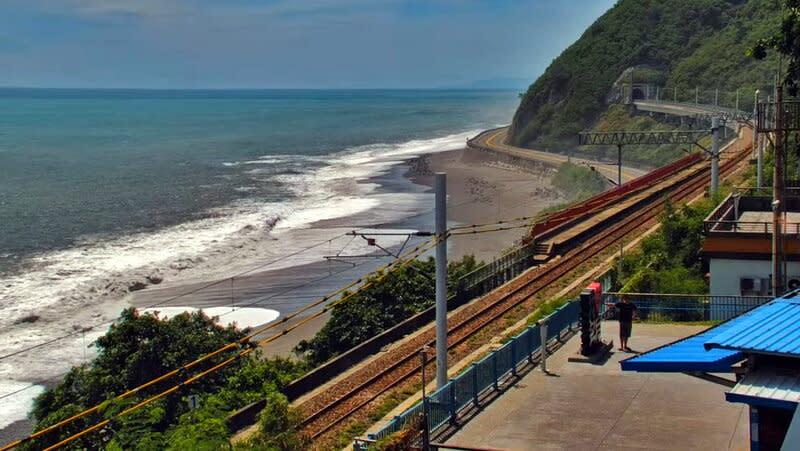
(349, 399)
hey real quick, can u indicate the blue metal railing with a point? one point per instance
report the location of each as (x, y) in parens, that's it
(685, 307)
(466, 390)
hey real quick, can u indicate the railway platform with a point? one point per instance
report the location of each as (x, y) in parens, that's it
(599, 407)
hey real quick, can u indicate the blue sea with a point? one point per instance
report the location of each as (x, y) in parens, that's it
(78, 163)
(99, 188)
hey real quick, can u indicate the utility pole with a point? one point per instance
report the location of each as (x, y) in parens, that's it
(619, 164)
(756, 146)
(737, 100)
(777, 196)
(714, 156)
(716, 97)
(696, 96)
(675, 95)
(441, 279)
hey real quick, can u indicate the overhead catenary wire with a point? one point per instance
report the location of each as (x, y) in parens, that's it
(178, 296)
(396, 265)
(455, 231)
(393, 266)
(258, 301)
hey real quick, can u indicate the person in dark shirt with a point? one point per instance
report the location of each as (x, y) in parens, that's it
(625, 310)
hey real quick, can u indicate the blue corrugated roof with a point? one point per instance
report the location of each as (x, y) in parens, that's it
(773, 328)
(686, 355)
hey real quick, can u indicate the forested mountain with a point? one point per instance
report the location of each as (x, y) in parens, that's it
(684, 44)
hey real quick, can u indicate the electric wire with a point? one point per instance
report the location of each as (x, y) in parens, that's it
(399, 262)
(173, 298)
(259, 301)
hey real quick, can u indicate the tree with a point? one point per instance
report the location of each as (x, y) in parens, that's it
(139, 348)
(786, 43)
(393, 299)
(278, 427)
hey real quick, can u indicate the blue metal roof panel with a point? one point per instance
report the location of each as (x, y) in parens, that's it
(773, 328)
(687, 354)
(767, 387)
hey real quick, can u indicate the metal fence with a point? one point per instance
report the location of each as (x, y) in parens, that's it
(449, 403)
(496, 273)
(684, 307)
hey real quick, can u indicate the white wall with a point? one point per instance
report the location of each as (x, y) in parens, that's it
(725, 273)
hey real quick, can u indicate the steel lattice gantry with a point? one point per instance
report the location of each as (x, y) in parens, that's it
(621, 138)
(643, 138)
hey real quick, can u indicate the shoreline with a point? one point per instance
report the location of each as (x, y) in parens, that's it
(480, 189)
(483, 188)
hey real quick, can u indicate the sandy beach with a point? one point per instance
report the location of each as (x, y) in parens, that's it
(481, 188)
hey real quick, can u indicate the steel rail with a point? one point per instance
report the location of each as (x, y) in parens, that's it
(407, 365)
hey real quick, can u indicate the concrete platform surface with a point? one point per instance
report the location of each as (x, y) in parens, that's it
(599, 407)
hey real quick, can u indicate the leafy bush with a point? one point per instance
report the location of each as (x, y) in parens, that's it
(278, 426)
(578, 182)
(669, 260)
(381, 306)
(139, 348)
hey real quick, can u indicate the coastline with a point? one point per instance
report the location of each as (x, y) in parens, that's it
(480, 189)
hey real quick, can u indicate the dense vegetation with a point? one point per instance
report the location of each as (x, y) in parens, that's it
(684, 44)
(621, 117)
(139, 348)
(669, 260)
(381, 306)
(578, 182)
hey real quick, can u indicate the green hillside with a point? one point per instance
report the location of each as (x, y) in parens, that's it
(684, 44)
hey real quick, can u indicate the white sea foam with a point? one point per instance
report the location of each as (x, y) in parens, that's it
(17, 405)
(62, 292)
(227, 316)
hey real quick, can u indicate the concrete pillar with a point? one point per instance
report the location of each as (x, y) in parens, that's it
(714, 156)
(441, 279)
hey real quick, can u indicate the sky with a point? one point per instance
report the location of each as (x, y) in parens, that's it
(283, 43)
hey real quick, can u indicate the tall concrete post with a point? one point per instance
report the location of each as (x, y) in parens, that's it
(696, 96)
(441, 279)
(675, 95)
(716, 97)
(737, 100)
(777, 195)
(714, 156)
(756, 144)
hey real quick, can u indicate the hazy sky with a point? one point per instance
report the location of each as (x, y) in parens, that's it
(283, 43)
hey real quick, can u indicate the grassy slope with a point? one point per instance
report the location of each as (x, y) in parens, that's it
(695, 42)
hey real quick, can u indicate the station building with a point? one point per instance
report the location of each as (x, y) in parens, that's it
(757, 355)
(738, 245)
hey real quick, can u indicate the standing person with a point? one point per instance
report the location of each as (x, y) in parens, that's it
(625, 310)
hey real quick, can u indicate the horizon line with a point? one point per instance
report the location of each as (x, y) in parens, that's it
(437, 88)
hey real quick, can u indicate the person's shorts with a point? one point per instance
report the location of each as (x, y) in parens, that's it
(625, 328)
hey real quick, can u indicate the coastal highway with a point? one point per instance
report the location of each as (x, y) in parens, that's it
(494, 140)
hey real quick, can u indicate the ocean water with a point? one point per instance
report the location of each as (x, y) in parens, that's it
(83, 163)
(99, 187)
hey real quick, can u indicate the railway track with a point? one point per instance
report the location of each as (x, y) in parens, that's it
(331, 408)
